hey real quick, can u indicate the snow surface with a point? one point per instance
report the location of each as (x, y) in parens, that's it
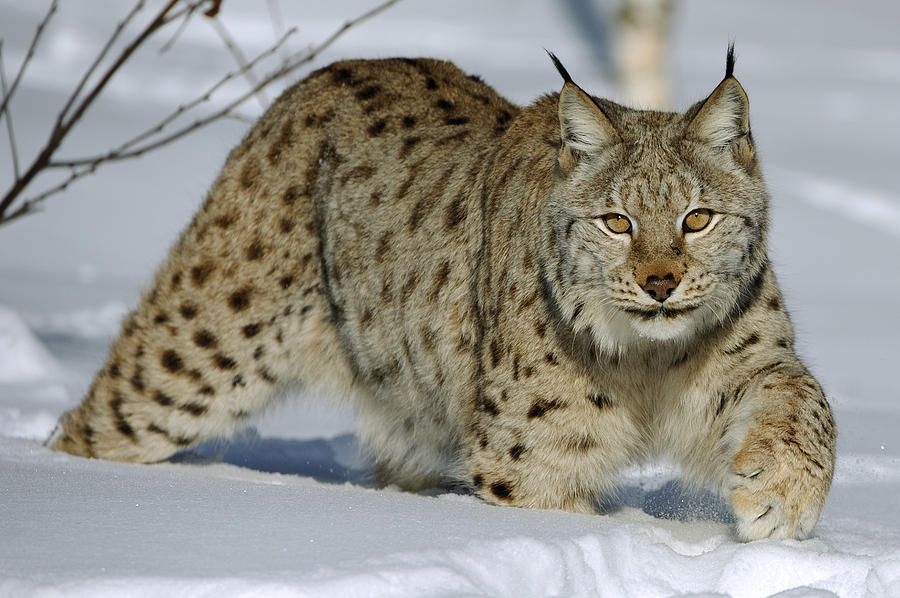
(288, 508)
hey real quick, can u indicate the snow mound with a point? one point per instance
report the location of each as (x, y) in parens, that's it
(22, 356)
(93, 323)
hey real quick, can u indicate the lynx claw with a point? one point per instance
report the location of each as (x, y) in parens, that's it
(775, 501)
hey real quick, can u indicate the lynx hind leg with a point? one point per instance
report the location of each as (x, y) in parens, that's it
(235, 316)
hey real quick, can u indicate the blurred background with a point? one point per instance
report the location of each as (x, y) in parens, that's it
(823, 79)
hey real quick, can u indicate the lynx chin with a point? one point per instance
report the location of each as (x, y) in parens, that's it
(523, 300)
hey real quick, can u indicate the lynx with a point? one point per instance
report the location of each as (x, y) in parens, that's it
(523, 300)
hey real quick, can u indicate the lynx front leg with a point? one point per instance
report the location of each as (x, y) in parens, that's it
(543, 437)
(782, 470)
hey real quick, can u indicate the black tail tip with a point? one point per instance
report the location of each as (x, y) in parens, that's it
(729, 61)
(559, 67)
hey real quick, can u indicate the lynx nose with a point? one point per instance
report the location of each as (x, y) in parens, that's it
(660, 288)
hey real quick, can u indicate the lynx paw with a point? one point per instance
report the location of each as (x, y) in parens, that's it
(777, 493)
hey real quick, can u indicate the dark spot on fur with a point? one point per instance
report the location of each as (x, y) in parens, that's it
(383, 245)
(286, 225)
(266, 375)
(114, 371)
(444, 104)
(200, 273)
(600, 399)
(137, 379)
(455, 211)
(251, 330)
(205, 339)
(249, 173)
(342, 75)
(516, 452)
(412, 280)
(292, 193)
(743, 345)
(409, 121)
(367, 93)
(502, 122)
(540, 408)
(431, 84)
(162, 399)
(408, 144)
(483, 403)
(774, 303)
(224, 221)
(188, 311)
(240, 299)
(160, 318)
(254, 251)
(207, 390)
(456, 120)
(223, 362)
(477, 480)
(176, 280)
(501, 490)
(258, 352)
(171, 361)
(286, 281)
(495, 352)
(377, 128)
(439, 280)
(194, 409)
(122, 424)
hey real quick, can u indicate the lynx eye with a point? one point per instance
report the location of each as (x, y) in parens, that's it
(697, 220)
(617, 223)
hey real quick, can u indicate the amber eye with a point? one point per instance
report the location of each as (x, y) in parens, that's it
(617, 223)
(697, 220)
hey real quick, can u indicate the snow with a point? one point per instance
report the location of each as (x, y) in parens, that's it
(22, 357)
(289, 508)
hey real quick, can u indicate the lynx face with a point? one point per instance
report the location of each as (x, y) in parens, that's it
(659, 219)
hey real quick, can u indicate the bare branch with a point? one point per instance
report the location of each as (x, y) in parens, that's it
(9, 121)
(240, 59)
(177, 34)
(119, 152)
(103, 52)
(295, 62)
(28, 55)
(158, 135)
(62, 126)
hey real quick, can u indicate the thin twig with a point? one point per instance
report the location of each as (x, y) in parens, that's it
(63, 126)
(296, 62)
(9, 121)
(85, 166)
(240, 59)
(177, 34)
(103, 52)
(180, 111)
(28, 55)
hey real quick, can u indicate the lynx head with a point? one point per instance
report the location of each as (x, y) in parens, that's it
(658, 220)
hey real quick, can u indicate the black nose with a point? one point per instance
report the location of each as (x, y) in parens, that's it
(660, 288)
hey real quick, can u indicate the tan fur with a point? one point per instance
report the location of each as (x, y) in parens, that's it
(396, 232)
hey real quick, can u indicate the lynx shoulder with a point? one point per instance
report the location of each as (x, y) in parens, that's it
(524, 300)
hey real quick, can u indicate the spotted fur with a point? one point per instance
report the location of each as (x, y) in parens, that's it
(397, 232)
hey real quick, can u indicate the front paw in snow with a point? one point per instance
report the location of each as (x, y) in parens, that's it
(778, 489)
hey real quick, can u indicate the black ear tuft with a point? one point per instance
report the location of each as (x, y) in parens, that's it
(559, 67)
(729, 61)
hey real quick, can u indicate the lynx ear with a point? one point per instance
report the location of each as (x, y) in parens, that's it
(583, 125)
(725, 114)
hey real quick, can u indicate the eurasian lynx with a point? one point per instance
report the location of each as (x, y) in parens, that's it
(524, 300)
